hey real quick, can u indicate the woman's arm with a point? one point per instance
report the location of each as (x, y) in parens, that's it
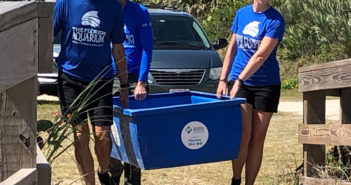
(229, 57)
(228, 61)
(256, 61)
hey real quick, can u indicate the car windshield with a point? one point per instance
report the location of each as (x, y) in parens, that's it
(178, 32)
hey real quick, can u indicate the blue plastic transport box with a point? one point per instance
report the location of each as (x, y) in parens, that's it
(176, 129)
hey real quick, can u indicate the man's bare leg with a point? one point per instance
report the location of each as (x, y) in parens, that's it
(102, 146)
(82, 153)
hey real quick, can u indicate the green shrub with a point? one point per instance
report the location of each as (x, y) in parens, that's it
(290, 84)
(316, 28)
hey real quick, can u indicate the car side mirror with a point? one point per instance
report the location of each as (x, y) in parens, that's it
(220, 43)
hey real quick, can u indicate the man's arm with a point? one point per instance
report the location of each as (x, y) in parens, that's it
(146, 40)
(120, 62)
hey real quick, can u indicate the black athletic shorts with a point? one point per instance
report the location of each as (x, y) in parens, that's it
(95, 100)
(262, 98)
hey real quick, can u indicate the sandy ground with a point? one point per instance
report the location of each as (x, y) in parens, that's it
(332, 107)
(47, 98)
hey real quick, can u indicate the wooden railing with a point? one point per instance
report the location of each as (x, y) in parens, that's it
(25, 49)
(316, 82)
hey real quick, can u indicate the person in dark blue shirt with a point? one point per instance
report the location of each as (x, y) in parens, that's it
(254, 75)
(86, 75)
(138, 45)
(138, 50)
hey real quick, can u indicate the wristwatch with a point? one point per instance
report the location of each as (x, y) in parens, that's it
(122, 86)
(241, 81)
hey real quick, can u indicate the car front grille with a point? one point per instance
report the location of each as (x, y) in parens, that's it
(178, 77)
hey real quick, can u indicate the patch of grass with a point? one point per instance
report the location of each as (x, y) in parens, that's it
(290, 95)
(46, 109)
(337, 166)
(295, 95)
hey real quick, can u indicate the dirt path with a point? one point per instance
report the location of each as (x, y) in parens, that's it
(47, 98)
(332, 108)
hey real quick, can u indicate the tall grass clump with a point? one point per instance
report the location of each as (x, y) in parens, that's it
(63, 127)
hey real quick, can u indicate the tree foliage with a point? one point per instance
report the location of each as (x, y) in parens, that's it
(317, 31)
(216, 16)
(317, 28)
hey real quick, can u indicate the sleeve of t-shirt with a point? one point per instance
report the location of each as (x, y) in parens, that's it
(146, 40)
(276, 29)
(58, 17)
(118, 35)
(235, 23)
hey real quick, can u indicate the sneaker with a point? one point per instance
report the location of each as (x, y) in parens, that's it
(104, 178)
(236, 181)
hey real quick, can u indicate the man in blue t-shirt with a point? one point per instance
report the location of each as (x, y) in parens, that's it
(138, 50)
(85, 76)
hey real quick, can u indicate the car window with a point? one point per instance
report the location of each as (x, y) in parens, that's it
(178, 32)
(201, 34)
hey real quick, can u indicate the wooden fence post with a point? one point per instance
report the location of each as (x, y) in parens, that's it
(316, 82)
(313, 113)
(19, 56)
(345, 106)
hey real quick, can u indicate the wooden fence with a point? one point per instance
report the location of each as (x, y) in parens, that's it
(316, 82)
(25, 50)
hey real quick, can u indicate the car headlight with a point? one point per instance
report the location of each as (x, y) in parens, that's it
(215, 73)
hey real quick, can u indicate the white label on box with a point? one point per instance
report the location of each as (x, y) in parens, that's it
(194, 135)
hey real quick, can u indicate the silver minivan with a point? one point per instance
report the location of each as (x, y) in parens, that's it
(183, 57)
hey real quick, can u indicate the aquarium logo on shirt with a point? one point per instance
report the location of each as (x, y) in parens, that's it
(91, 19)
(146, 25)
(252, 29)
(89, 36)
(130, 40)
(248, 43)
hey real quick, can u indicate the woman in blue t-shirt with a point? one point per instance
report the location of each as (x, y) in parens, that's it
(254, 75)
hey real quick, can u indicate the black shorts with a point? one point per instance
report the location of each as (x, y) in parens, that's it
(262, 98)
(79, 100)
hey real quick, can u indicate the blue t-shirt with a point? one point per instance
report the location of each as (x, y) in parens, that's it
(250, 28)
(139, 39)
(88, 27)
